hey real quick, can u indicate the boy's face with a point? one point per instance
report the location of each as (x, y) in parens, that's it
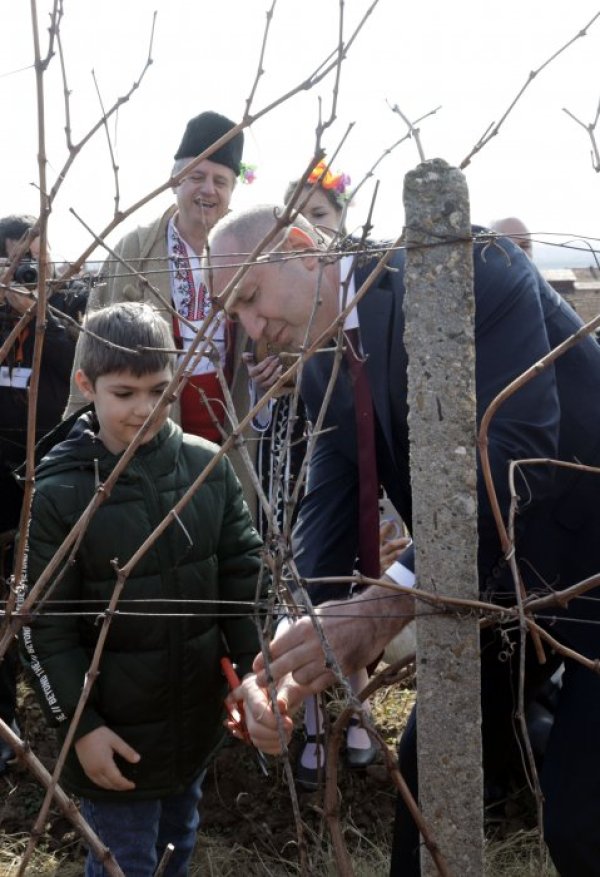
(123, 402)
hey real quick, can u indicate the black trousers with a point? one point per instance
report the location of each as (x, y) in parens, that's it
(571, 776)
(571, 788)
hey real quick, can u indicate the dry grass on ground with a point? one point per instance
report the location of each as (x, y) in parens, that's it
(248, 828)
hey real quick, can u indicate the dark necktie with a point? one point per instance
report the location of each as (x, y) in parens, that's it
(368, 527)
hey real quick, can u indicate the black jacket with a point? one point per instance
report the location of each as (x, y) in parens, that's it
(55, 373)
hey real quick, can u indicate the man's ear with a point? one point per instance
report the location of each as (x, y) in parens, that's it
(296, 239)
(85, 385)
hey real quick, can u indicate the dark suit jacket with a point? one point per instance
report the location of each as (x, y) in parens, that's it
(518, 319)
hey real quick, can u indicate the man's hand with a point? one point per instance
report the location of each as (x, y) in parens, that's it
(391, 544)
(18, 298)
(265, 373)
(96, 752)
(357, 631)
(261, 722)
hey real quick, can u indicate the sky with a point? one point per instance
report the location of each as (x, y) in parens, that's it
(468, 60)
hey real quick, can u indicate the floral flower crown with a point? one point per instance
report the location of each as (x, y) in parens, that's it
(247, 173)
(322, 176)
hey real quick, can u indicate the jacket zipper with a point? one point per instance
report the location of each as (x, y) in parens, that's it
(169, 590)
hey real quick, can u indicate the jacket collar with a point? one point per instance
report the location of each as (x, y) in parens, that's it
(82, 448)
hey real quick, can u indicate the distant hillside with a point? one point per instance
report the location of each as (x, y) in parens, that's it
(573, 255)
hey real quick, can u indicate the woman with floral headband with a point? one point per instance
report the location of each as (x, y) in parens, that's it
(323, 201)
(324, 198)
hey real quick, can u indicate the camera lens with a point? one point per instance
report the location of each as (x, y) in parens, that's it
(26, 272)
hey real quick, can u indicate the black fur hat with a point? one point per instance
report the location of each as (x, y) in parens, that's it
(202, 131)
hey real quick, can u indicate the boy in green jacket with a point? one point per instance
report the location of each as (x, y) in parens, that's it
(154, 716)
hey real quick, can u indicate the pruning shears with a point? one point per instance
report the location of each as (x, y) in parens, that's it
(236, 712)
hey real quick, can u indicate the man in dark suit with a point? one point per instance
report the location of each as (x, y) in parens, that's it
(519, 319)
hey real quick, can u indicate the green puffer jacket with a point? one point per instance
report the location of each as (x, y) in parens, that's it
(160, 686)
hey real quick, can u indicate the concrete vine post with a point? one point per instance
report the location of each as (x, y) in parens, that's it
(439, 338)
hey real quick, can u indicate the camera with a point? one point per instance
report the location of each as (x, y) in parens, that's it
(26, 272)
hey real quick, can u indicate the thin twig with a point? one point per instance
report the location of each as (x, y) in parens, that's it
(76, 148)
(531, 772)
(249, 119)
(494, 127)
(413, 131)
(387, 152)
(591, 131)
(90, 677)
(260, 70)
(114, 165)
(65, 804)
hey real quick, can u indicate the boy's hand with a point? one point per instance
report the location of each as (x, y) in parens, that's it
(96, 752)
(261, 721)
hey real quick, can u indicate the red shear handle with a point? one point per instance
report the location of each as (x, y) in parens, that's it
(233, 680)
(236, 713)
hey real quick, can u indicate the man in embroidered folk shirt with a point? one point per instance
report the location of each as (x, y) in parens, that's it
(162, 261)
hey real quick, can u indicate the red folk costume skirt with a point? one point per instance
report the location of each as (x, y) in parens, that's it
(202, 401)
(197, 417)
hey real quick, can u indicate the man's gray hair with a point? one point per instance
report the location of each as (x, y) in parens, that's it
(180, 163)
(248, 227)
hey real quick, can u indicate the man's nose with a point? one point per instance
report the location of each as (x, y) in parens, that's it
(253, 324)
(208, 186)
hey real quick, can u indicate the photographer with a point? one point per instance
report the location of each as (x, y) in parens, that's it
(15, 373)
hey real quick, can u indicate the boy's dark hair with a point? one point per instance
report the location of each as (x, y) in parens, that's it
(134, 325)
(14, 227)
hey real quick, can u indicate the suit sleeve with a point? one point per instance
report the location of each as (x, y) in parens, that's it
(50, 643)
(511, 336)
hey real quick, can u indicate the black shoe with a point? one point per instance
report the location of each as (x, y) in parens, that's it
(7, 754)
(309, 778)
(360, 758)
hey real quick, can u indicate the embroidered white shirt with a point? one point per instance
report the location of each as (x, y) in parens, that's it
(191, 298)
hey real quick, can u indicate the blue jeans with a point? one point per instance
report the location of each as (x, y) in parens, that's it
(137, 832)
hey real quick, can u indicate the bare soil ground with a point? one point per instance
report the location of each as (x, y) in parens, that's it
(248, 825)
(242, 809)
